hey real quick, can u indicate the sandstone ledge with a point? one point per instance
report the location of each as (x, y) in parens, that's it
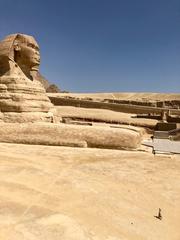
(26, 117)
(70, 135)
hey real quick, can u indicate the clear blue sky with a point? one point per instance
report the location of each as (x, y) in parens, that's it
(102, 45)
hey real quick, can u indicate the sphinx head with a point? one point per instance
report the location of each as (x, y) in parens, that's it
(26, 52)
(21, 49)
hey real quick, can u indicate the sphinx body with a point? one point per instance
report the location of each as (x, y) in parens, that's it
(22, 97)
(23, 100)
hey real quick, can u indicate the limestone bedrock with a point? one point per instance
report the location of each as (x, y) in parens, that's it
(20, 91)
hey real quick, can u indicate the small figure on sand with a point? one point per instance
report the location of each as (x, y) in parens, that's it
(159, 216)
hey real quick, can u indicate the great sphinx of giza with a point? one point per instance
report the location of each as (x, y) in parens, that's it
(22, 97)
(23, 100)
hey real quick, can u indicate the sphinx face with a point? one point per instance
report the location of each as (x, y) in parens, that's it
(27, 53)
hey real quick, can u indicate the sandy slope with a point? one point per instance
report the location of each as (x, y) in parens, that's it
(87, 194)
(123, 95)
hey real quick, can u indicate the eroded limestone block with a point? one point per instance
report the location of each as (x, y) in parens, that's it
(70, 135)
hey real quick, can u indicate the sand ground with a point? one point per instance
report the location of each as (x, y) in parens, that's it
(122, 95)
(66, 193)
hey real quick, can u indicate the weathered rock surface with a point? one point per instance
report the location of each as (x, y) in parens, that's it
(93, 115)
(20, 91)
(71, 135)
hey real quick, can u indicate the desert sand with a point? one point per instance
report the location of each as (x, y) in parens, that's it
(122, 95)
(85, 193)
(53, 193)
